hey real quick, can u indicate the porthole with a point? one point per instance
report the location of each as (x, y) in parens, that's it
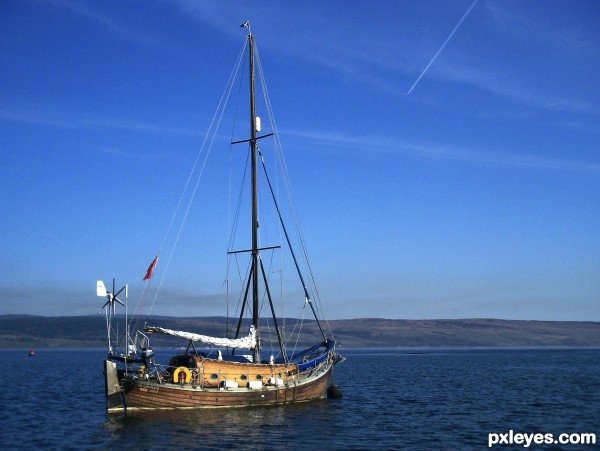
(243, 377)
(258, 376)
(214, 376)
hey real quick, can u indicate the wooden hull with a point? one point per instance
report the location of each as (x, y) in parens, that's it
(138, 393)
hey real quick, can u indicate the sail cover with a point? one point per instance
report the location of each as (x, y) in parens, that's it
(248, 342)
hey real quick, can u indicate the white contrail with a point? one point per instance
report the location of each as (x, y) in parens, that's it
(443, 45)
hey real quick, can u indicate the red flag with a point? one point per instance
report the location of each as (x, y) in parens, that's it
(150, 270)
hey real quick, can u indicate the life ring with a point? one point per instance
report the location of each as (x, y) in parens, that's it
(182, 369)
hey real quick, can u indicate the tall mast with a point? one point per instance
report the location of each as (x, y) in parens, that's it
(253, 152)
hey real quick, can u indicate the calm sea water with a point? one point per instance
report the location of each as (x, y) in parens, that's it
(400, 399)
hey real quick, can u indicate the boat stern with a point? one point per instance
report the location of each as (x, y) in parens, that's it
(112, 387)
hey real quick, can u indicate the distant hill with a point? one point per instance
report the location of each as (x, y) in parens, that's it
(465, 332)
(28, 331)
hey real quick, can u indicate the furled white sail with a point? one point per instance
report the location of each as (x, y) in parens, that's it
(248, 342)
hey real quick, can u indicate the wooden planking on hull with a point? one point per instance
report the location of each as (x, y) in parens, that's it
(150, 395)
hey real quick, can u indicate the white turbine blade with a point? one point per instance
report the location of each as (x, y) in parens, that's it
(119, 301)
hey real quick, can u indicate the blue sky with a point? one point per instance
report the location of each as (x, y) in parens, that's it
(474, 194)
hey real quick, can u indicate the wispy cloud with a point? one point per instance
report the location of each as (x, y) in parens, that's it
(48, 301)
(579, 125)
(551, 45)
(372, 145)
(110, 24)
(52, 117)
(558, 37)
(385, 65)
(510, 89)
(358, 58)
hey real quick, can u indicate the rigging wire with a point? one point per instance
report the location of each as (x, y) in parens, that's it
(288, 190)
(231, 227)
(208, 138)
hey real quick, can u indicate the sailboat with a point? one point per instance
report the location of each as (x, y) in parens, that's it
(230, 371)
